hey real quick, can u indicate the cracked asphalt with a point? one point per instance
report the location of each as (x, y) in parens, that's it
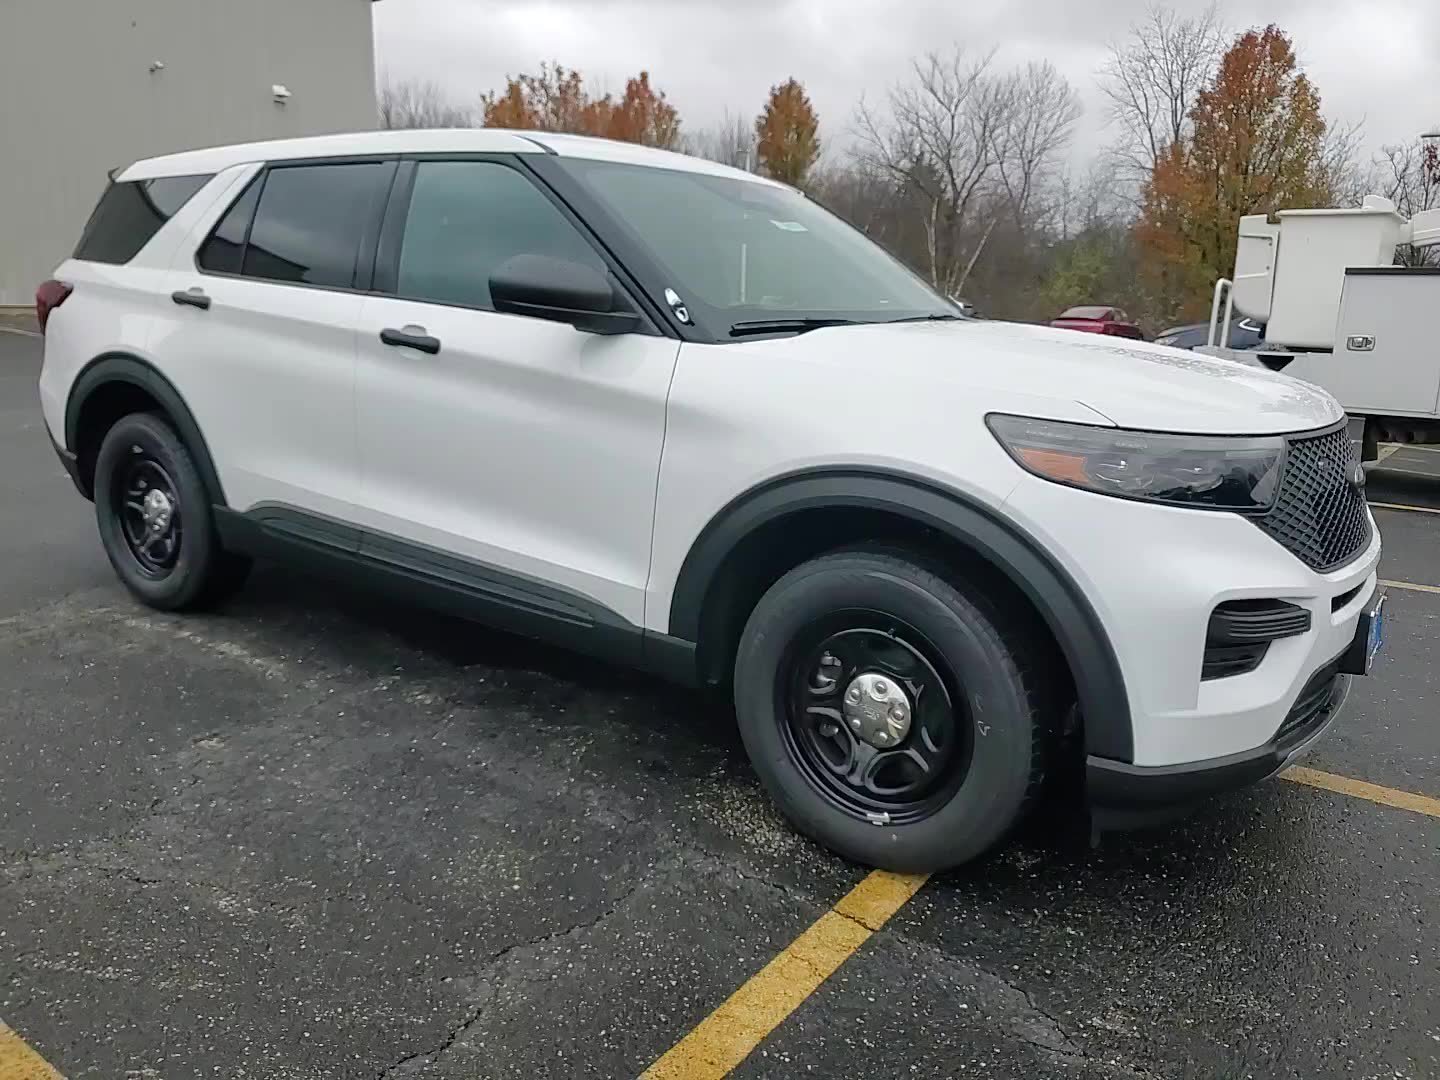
(319, 836)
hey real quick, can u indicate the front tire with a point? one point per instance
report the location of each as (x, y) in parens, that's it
(155, 521)
(895, 717)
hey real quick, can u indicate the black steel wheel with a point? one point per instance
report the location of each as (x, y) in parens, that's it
(870, 718)
(150, 513)
(895, 712)
(155, 518)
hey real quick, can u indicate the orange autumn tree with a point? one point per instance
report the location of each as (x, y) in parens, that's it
(1256, 146)
(643, 116)
(557, 100)
(788, 134)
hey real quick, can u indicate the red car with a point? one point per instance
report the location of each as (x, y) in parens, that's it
(1099, 320)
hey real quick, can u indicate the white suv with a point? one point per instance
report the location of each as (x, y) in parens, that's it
(679, 416)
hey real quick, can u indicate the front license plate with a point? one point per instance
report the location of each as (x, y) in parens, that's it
(1369, 637)
(1376, 637)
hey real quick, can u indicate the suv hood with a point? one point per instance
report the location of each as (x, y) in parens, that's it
(1131, 383)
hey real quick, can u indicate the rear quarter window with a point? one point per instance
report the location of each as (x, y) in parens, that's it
(130, 213)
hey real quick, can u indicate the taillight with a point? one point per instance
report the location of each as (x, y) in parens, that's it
(48, 297)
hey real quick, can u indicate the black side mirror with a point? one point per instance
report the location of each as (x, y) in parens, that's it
(545, 287)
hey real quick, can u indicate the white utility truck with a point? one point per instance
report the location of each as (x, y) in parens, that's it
(1340, 314)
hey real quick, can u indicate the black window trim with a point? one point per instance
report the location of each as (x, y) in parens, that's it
(390, 240)
(364, 261)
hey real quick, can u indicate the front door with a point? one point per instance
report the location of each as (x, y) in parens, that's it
(523, 445)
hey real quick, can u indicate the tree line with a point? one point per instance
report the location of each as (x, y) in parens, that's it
(962, 168)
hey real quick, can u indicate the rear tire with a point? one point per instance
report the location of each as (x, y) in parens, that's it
(953, 669)
(155, 519)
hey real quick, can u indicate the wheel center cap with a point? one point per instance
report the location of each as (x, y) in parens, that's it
(157, 510)
(877, 709)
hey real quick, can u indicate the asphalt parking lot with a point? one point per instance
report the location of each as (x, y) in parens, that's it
(316, 836)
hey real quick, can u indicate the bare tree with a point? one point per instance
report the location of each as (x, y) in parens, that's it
(1040, 120)
(1087, 200)
(730, 142)
(937, 139)
(1408, 175)
(1152, 78)
(1343, 176)
(411, 104)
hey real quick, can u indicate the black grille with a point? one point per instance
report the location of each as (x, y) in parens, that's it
(1319, 515)
(1312, 708)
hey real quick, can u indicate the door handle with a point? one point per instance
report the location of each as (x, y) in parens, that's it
(192, 297)
(411, 337)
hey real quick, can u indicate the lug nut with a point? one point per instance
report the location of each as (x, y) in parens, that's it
(881, 687)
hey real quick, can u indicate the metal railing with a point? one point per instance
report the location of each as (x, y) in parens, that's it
(1220, 332)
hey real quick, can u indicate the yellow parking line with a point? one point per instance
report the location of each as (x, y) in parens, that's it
(1403, 506)
(727, 1036)
(19, 1062)
(1359, 789)
(1410, 585)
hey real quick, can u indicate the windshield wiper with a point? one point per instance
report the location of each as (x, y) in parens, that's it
(780, 326)
(932, 318)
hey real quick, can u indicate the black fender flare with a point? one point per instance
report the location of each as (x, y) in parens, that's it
(1099, 682)
(121, 367)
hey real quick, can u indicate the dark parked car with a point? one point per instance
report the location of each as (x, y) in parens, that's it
(1244, 334)
(1099, 320)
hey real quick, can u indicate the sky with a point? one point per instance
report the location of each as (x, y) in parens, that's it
(1373, 62)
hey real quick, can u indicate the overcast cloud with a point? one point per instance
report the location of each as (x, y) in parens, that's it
(1372, 61)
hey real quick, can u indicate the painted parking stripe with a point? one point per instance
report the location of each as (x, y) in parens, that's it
(19, 1062)
(1360, 789)
(1412, 586)
(17, 330)
(727, 1036)
(1404, 506)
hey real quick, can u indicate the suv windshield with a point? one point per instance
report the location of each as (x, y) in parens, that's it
(742, 253)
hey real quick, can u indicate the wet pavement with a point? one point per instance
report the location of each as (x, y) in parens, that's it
(316, 836)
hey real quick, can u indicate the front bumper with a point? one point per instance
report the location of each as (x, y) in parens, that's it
(1118, 790)
(1155, 575)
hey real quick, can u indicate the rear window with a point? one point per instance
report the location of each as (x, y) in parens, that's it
(130, 213)
(1087, 313)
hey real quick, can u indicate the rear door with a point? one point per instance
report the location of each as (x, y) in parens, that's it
(517, 444)
(260, 332)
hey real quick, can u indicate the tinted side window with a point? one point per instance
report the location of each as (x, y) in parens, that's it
(130, 213)
(308, 224)
(468, 217)
(225, 249)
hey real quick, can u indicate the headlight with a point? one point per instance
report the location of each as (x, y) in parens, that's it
(1215, 472)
